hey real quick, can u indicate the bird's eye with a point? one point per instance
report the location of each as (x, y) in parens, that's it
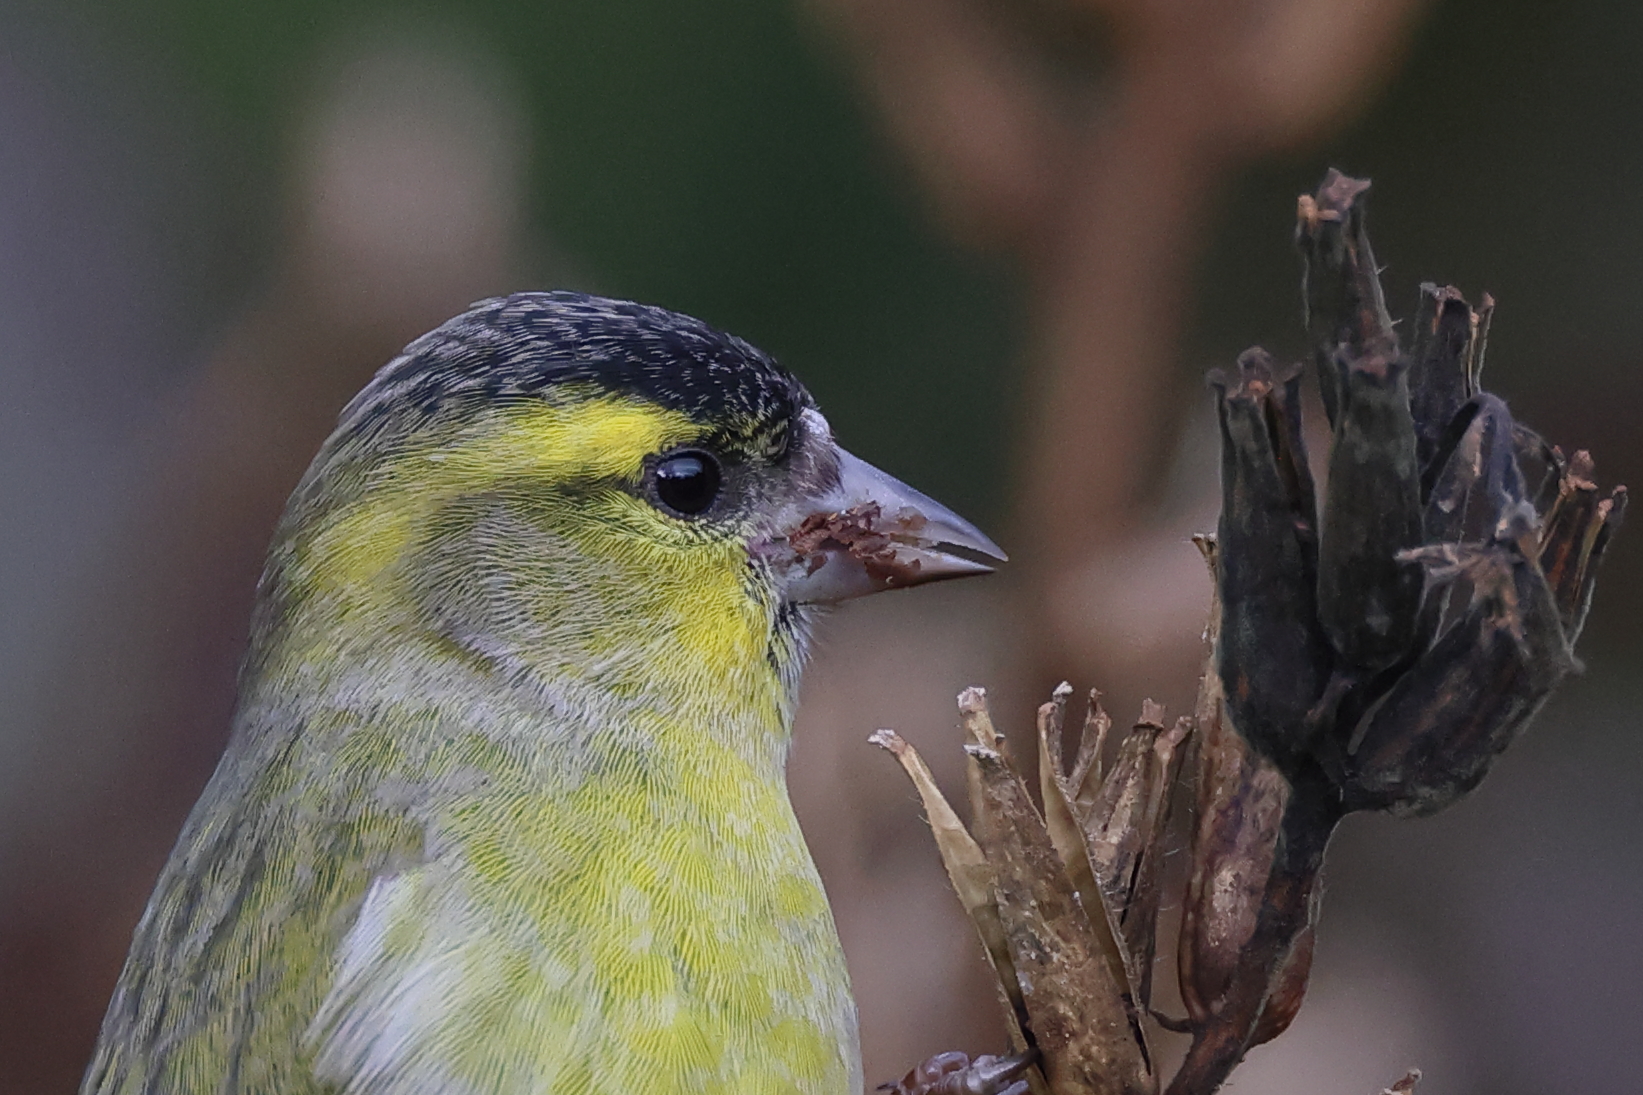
(688, 482)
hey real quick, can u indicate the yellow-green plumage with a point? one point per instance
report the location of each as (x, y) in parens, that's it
(503, 809)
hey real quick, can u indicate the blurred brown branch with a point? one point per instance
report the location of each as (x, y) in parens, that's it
(1088, 140)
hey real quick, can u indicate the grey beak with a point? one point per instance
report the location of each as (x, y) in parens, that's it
(871, 532)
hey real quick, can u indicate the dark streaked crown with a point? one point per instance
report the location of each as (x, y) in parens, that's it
(527, 344)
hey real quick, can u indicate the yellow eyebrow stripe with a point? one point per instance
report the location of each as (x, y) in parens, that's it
(606, 438)
(589, 439)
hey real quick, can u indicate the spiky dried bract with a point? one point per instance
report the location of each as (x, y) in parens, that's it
(1068, 834)
(1574, 537)
(1092, 742)
(1071, 959)
(1115, 817)
(1081, 1017)
(972, 878)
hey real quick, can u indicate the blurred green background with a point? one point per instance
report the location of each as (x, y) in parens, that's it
(707, 156)
(183, 308)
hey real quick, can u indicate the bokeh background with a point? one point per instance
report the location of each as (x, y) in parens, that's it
(1001, 239)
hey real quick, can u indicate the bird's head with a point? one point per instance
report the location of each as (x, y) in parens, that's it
(592, 490)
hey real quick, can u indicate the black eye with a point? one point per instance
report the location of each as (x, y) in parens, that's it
(688, 482)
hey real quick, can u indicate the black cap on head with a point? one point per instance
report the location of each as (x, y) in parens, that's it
(525, 345)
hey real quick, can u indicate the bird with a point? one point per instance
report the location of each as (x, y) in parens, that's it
(502, 808)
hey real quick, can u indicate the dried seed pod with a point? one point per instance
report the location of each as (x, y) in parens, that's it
(1139, 913)
(1240, 805)
(1368, 599)
(1267, 975)
(1440, 726)
(1573, 539)
(1475, 479)
(1340, 283)
(1542, 465)
(1272, 653)
(1383, 668)
(1287, 985)
(1446, 357)
(1241, 984)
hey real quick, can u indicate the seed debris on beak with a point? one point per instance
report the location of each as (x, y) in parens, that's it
(871, 532)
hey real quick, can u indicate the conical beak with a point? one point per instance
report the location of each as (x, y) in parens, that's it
(871, 532)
